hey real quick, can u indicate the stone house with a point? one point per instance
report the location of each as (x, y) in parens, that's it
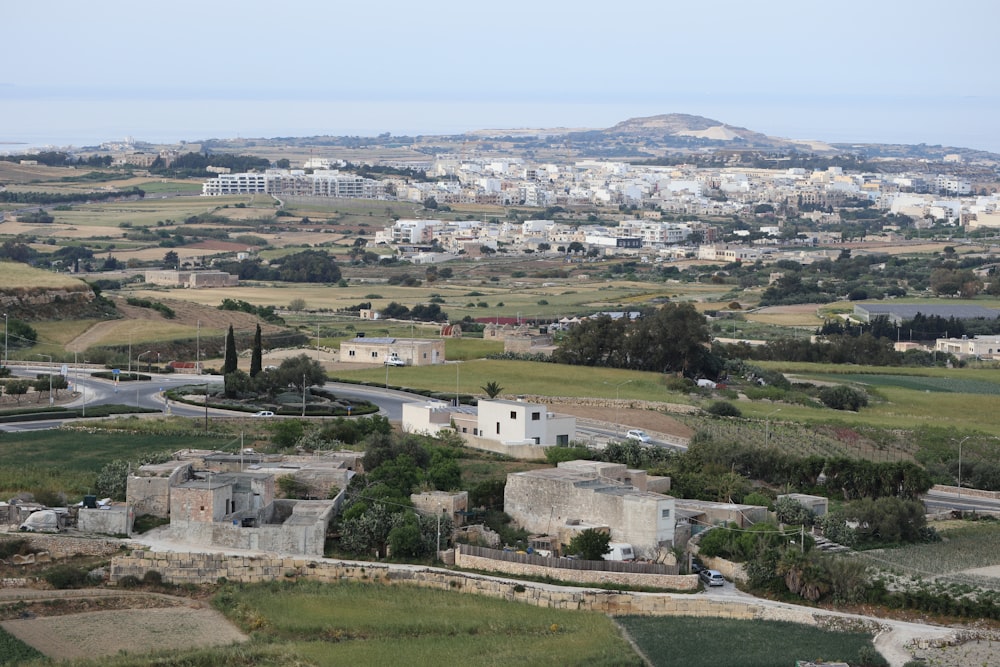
(583, 494)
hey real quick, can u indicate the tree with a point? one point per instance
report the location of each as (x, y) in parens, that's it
(17, 389)
(590, 544)
(492, 389)
(300, 372)
(256, 356)
(230, 363)
(171, 260)
(297, 304)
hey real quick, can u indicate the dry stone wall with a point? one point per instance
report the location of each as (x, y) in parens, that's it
(676, 582)
(196, 568)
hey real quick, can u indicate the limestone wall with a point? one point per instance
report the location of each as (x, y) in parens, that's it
(529, 452)
(63, 546)
(677, 582)
(195, 568)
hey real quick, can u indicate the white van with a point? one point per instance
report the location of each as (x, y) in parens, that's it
(620, 551)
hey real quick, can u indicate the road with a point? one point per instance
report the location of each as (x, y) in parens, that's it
(938, 501)
(149, 394)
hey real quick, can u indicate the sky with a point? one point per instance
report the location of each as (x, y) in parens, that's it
(910, 71)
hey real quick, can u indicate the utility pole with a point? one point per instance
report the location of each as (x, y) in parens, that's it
(303, 394)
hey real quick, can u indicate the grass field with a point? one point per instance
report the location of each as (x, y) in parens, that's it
(376, 624)
(525, 377)
(68, 460)
(684, 641)
(14, 275)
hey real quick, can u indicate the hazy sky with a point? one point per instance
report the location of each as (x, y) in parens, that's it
(836, 71)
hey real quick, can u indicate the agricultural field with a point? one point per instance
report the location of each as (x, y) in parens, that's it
(966, 555)
(376, 624)
(684, 641)
(16, 275)
(68, 460)
(13, 651)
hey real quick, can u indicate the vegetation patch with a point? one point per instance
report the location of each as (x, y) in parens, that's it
(13, 651)
(354, 623)
(708, 642)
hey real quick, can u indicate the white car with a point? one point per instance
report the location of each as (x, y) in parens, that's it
(638, 435)
(263, 413)
(394, 361)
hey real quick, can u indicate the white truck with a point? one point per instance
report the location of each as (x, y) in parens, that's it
(394, 360)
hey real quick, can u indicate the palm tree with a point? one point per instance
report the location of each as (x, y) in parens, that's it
(492, 389)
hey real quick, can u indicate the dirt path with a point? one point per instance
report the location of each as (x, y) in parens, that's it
(181, 624)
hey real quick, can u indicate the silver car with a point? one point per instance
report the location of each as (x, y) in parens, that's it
(712, 578)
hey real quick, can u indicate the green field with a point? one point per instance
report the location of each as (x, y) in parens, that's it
(684, 641)
(68, 460)
(377, 624)
(13, 651)
(524, 377)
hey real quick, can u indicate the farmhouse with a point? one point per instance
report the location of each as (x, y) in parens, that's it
(979, 347)
(585, 494)
(192, 279)
(228, 500)
(412, 351)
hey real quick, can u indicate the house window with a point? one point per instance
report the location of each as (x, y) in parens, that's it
(498, 428)
(665, 514)
(536, 416)
(350, 353)
(374, 354)
(513, 414)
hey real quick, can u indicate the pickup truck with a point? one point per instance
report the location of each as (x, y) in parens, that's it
(393, 360)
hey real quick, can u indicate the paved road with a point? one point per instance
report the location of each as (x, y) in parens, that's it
(939, 501)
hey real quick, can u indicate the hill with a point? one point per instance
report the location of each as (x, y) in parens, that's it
(31, 294)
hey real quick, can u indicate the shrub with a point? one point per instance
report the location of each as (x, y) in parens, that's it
(843, 397)
(67, 576)
(152, 578)
(723, 409)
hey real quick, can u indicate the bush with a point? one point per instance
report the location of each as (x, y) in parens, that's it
(843, 397)
(723, 409)
(67, 576)
(152, 578)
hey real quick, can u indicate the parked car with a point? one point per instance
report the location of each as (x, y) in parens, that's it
(712, 578)
(638, 435)
(263, 413)
(394, 361)
(696, 566)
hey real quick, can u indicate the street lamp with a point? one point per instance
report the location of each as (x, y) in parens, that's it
(138, 358)
(960, 443)
(50, 375)
(618, 407)
(767, 426)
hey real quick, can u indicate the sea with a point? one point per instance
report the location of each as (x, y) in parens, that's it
(964, 122)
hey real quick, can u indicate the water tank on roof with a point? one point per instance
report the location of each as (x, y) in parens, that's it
(90, 502)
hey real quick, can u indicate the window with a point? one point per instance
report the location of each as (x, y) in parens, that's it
(498, 428)
(513, 414)
(350, 353)
(665, 514)
(536, 416)
(374, 354)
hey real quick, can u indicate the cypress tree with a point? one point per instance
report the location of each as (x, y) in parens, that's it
(256, 354)
(229, 365)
